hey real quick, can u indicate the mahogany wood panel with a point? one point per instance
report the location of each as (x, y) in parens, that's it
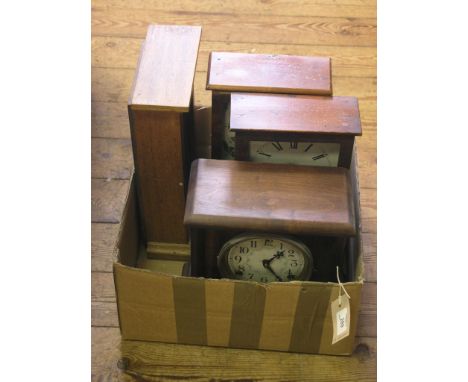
(159, 163)
(269, 73)
(295, 113)
(166, 68)
(220, 103)
(270, 197)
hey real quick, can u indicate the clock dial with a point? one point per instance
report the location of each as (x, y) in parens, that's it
(265, 258)
(228, 137)
(301, 153)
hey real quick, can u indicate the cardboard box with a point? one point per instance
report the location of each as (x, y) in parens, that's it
(155, 305)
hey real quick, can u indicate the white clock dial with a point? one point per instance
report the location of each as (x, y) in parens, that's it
(228, 136)
(301, 153)
(265, 258)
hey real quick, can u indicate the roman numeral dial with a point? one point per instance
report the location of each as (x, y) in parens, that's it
(294, 152)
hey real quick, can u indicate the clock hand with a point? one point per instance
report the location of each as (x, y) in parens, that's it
(276, 256)
(266, 264)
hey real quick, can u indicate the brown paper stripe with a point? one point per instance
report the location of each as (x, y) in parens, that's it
(277, 325)
(190, 313)
(219, 296)
(247, 315)
(146, 305)
(346, 345)
(309, 319)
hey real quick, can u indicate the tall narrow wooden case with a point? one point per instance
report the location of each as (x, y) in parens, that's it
(160, 110)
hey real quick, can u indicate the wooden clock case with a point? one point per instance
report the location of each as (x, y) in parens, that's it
(312, 204)
(160, 110)
(295, 118)
(229, 73)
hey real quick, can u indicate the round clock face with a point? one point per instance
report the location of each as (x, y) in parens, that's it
(302, 153)
(228, 137)
(265, 258)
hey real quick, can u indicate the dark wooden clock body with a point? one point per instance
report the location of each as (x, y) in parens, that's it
(229, 73)
(291, 118)
(160, 113)
(226, 198)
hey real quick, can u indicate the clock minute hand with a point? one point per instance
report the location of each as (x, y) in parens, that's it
(266, 264)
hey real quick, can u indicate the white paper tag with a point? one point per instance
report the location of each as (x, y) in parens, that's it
(341, 316)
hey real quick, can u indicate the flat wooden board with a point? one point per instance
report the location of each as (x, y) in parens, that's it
(116, 360)
(270, 197)
(291, 113)
(269, 73)
(166, 69)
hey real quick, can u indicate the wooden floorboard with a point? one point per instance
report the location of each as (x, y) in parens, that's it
(159, 362)
(278, 29)
(347, 61)
(342, 29)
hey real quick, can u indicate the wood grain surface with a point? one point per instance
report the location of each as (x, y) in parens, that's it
(269, 73)
(270, 197)
(164, 79)
(160, 179)
(295, 113)
(345, 30)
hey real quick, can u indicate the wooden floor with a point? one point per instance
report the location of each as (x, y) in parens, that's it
(342, 29)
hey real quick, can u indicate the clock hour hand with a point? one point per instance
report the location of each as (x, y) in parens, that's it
(266, 264)
(276, 256)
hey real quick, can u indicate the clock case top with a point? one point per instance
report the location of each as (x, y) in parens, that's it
(261, 73)
(295, 118)
(265, 197)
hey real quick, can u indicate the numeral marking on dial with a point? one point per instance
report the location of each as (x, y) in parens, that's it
(243, 250)
(268, 243)
(264, 154)
(319, 156)
(253, 244)
(293, 145)
(308, 147)
(277, 146)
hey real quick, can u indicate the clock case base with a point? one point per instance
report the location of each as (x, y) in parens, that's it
(157, 303)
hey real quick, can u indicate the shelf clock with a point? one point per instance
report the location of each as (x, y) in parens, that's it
(301, 130)
(229, 73)
(160, 110)
(268, 222)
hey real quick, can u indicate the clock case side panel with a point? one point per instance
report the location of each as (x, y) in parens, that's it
(219, 104)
